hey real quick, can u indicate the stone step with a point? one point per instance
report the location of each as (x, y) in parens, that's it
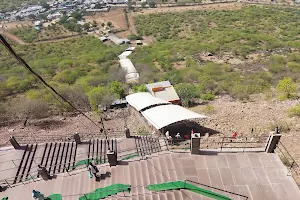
(140, 181)
(178, 167)
(178, 195)
(164, 170)
(133, 179)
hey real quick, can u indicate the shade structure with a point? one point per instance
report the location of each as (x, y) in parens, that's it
(164, 115)
(143, 100)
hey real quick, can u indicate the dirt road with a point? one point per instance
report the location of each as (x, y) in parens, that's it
(12, 37)
(220, 6)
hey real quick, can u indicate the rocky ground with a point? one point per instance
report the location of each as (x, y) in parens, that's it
(227, 116)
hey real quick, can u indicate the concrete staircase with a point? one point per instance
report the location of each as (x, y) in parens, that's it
(158, 168)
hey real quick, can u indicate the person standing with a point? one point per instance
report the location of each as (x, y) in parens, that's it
(37, 195)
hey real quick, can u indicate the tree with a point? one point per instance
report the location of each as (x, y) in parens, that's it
(100, 96)
(95, 24)
(86, 26)
(77, 15)
(109, 24)
(134, 37)
(102, 24)
(117, 88)
(75, 95)
(63, 19)
(287, 88)
(295, 111)
(139, 88)
(187, 93)
(152, 4)
(117, 73)
(24, 108)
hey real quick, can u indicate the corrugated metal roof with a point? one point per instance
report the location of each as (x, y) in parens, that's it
(127, 65)
(168, 94)
(125, 54)
(158, 84)
(143, 100)
(167, 91)
(164, 115)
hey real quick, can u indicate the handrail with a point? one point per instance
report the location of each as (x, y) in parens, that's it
(217, 188)
(77, 168)
(291, 164)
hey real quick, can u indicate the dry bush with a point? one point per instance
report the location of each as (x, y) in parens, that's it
(283, 126)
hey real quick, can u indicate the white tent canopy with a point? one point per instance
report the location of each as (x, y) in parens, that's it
(142, 100)
(164, 115)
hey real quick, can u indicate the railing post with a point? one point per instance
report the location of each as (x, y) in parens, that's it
(222, 143)
(32, 177)
(14, 163)
(273, 141)
(245, 145)
(67, 171)
(290, 169)
(7, 183)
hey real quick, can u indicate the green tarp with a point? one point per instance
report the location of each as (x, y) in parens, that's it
(5, 198)
(55, 197)
(101, 193)
(183, 185)
(130, 156)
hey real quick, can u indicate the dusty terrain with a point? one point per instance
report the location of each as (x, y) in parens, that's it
(225, 115)
(117, 17)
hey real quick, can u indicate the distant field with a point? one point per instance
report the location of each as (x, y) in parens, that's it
(28, 34)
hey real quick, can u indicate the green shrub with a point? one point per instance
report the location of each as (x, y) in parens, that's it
(283, 126)
(295, 111)
(209, 109)
(208, 96)
(28, 34)
(240, 92)
(134, 37)
(287, 88)
(295, 67)
(187, 93)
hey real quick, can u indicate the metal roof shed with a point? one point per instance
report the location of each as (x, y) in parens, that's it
(162, 116)
(163, 90)
(127, 65)
(124, 54)
(143, 100)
